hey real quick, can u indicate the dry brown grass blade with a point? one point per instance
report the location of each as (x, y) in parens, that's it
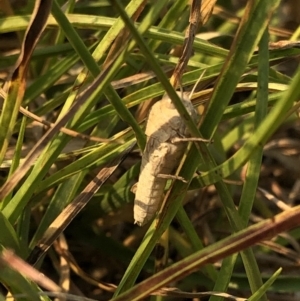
(61, 245)
(9, 259)
(64, 130)
(70, 212)
(272, 198)
(284, 251)
(207, 7)
(16, 86)
(188, 42)
(200, 13)
(36, 26)
(240, 241)
(68, 257)
(176, 293)
(284, 44)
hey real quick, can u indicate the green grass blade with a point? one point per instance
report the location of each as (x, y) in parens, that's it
(257, 15)
(254, 165)
(73, 37)
(263, 289)
(192, 235)
(8, 237)
(16, 158)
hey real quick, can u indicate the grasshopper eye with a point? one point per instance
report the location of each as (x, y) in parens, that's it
(133, 188)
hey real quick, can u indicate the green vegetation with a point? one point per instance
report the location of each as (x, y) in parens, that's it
(75, 100)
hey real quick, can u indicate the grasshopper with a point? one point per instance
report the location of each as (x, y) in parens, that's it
(163, 152)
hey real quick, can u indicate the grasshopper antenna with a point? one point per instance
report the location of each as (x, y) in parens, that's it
(196, 84)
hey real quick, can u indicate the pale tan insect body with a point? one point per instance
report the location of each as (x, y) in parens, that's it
(161, 155)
